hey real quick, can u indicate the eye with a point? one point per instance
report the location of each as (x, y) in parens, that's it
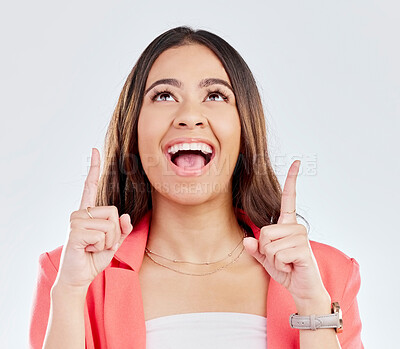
(160, 96)
(217, 96)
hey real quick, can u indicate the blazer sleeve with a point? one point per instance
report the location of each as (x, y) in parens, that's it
(350, 338)
(41, 301)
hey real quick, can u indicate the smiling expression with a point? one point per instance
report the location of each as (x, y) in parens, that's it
(189, 127)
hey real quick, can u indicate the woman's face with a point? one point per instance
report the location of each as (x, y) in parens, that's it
(189, 127)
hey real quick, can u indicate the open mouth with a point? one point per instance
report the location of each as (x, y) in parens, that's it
(190, 157)
(195, 159)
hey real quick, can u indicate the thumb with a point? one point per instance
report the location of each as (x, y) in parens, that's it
(126, 226)
(251, 246)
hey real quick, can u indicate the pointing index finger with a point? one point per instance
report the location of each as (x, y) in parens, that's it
(288, 202)
(90, 189)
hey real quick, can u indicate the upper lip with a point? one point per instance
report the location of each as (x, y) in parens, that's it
(187, 140)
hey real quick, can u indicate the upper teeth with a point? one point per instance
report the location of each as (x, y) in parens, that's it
(205, 148)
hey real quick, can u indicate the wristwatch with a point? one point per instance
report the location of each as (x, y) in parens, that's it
(313, 322)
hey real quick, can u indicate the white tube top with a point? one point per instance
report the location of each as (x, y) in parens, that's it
(209, 330)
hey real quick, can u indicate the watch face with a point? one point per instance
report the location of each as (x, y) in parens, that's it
(336, 309)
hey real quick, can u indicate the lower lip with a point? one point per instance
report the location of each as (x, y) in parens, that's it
(189, 173)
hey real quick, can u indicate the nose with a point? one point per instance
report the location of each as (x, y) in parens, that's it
(189, 116)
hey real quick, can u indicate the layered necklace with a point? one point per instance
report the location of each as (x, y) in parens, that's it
(177, 261)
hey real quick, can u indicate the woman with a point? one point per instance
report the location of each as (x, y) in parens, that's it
(187, 239)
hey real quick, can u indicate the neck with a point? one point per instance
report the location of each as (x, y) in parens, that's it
(195, 233)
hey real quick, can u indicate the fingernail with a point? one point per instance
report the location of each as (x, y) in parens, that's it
(116, 246)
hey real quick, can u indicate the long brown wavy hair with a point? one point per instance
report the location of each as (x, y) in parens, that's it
(124, 184)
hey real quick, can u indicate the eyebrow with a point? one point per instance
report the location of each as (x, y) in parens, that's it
(203, 83)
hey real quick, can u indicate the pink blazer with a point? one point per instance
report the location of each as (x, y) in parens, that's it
(114, 316)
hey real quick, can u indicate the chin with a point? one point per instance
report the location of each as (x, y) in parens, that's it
(193, 193)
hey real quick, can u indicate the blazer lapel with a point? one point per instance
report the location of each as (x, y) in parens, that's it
(123, 306)
(123, 310)
(280, 305)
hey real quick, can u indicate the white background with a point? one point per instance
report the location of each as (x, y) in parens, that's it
(329, 76)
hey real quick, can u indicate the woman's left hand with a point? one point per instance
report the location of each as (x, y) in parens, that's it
(285, 252)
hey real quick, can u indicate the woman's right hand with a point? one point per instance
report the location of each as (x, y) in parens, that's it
(91, 243)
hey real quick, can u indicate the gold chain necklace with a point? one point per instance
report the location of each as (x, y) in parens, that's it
(149, 252)
(201, 263)
(203, 274)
